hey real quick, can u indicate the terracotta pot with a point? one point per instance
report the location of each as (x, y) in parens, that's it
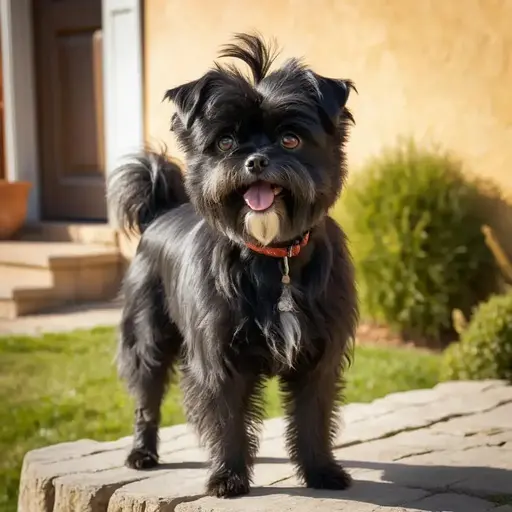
(13, 207)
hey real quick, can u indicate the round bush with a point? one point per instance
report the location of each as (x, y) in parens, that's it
(414, 223)
(485, 347)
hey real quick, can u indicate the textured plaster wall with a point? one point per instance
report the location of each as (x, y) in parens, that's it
(439, 70)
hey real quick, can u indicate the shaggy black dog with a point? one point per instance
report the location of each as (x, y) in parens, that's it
(240, 274)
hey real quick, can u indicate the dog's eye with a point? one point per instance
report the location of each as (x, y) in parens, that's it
(290, 141)
(226, 142)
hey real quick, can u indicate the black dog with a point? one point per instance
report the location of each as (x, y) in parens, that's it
(240, 274)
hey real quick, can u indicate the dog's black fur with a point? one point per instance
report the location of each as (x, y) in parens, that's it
(196, 295)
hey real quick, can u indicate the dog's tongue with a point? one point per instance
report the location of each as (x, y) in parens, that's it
(259, 196)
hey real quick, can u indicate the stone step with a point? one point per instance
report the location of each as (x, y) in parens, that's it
(39, 276)
(54, 255)
(90, 233)
(24, 291)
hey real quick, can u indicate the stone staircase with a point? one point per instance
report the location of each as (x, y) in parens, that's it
(57, 264)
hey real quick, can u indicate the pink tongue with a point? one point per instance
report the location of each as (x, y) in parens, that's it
(259, 196)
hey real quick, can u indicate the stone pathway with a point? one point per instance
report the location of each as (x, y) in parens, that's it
(446, 449)
(84, 316)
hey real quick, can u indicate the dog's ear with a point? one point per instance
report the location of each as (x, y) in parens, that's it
(188, 99)
(333, 95)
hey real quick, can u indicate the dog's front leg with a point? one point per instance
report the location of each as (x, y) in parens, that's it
(227, 417)
(310, 401)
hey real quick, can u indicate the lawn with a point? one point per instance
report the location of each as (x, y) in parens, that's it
(63, 387)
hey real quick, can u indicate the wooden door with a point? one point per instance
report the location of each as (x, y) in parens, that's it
(70, 108)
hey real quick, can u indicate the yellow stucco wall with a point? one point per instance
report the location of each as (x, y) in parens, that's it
(440, 70)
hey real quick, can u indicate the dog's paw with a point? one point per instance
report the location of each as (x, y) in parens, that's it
(227, 484)
(332, 477)
(141, 459)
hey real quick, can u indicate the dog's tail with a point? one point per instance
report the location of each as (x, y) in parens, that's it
(145, 186)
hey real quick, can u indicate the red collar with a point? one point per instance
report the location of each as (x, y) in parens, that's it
(281, 252)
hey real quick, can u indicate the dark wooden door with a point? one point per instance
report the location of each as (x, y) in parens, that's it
(70, 108)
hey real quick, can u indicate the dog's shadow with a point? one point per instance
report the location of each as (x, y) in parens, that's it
(402, 482)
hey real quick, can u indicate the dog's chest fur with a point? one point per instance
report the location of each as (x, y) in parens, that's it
(220, 294)
(263, 331)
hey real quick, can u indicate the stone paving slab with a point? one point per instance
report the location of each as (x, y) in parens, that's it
(444, 449)
(69, 318)
(454, 503)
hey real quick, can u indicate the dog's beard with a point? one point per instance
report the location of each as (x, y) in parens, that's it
(217, 188)
(263, 226)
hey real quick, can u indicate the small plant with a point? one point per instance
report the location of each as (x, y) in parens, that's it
(415, 228)
(485, 347)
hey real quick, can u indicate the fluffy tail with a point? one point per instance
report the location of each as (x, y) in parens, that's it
(143, 188)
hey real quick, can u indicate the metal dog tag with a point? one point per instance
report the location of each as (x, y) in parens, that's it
(285, 303)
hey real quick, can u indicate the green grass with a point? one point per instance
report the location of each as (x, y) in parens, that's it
(63, 387)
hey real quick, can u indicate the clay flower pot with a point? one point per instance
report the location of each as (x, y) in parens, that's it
(13, 207)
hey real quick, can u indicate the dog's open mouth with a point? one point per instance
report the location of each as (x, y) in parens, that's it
(260, 196)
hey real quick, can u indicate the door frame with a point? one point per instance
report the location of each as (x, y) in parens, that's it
(124, 127)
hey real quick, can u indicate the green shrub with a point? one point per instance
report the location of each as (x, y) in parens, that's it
(414, 224)
(485, 347)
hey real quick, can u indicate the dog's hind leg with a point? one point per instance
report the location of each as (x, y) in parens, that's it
(148, 347)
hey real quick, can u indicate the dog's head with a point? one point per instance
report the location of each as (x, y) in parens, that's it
(264, 156)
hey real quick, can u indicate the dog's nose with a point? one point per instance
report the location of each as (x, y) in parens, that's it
(256, 163)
